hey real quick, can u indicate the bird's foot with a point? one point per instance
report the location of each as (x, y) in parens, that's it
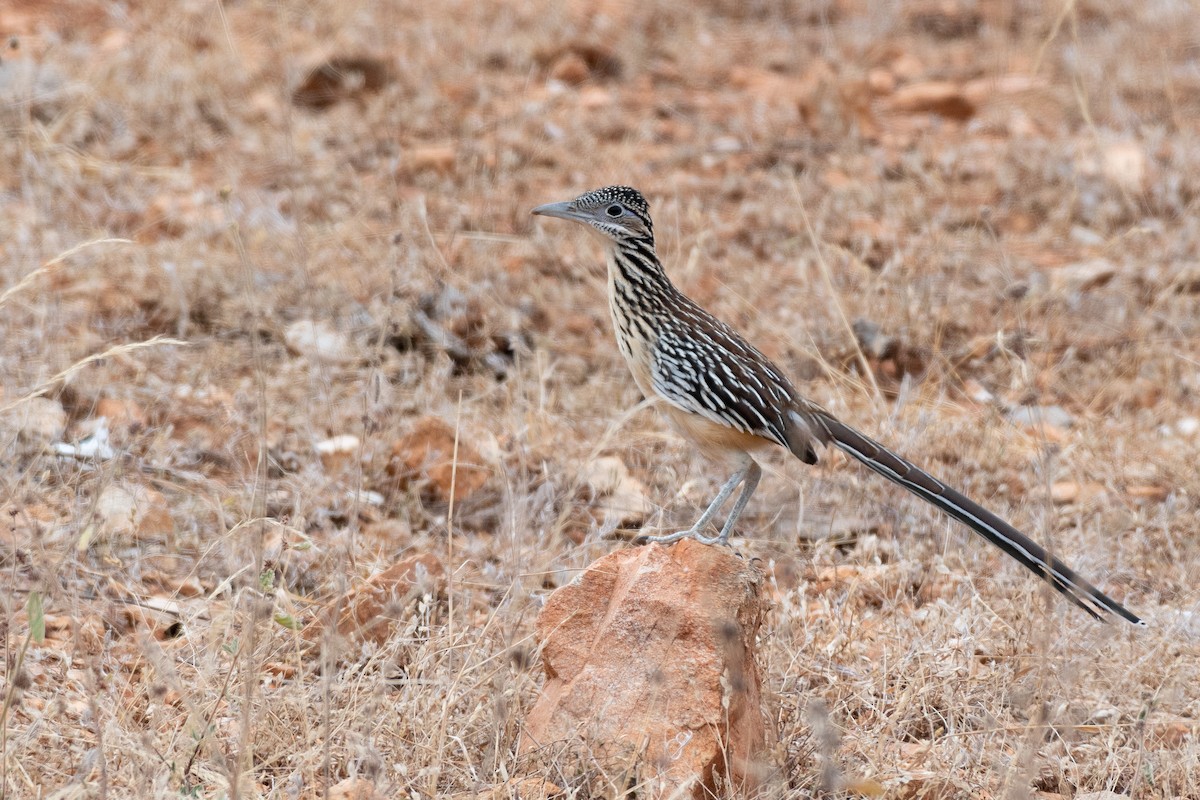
(690, 533)
(665, 538)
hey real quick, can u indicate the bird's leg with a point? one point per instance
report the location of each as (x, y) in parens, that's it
(750, 473)
(750, 477)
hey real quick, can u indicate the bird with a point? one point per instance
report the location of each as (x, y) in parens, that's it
(722, 394)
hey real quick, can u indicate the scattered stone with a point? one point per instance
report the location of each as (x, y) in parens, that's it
(69, 631)
(1124, 165)
(427, 454)
(338, 451)
(36, 419)
(874, 343)
(366, 497)
(726, 145)
(36, 86)
(579, 61)
(319, 341)
(977, 392)
(1087, 237)
(1064, 493)
(944, 19)
(516, 789)
(94, 445)
(1034, 417)
(926, 785)
(121, 414)
(881, 81)
(620, 498)
(570, 68)
(1083, 276)
(132, 511)
(1174, 732)
(1186, 279)
(367, 612)
(340, 78)
(870, 585)
(944, 98)
(1188, 426)
(436, 158)
(1148, 492)
(649, 663)
(593, 97)
(354, 789)
(450, 321)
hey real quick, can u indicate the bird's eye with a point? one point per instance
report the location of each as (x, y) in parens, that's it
(614, 210)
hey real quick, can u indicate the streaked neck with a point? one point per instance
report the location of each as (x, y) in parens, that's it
(635, 263)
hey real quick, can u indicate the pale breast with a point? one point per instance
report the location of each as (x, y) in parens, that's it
(714, 439)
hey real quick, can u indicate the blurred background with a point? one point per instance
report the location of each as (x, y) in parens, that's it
(275, 320)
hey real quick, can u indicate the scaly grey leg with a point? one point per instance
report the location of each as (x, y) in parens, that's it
(750, 469)
(752, 474)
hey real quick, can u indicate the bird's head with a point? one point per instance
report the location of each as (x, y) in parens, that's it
(617, 213)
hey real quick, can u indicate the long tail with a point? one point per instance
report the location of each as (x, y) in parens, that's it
(1031, 554)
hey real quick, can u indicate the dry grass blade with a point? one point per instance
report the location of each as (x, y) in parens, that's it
(66, 374)
(44, 269)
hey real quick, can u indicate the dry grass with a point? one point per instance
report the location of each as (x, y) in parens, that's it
(792, 196)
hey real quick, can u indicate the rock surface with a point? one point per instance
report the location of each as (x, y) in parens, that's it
(649, 662)
(427, 454)
(36, 419)
(354, 789)
(133, 511)
(367, 613)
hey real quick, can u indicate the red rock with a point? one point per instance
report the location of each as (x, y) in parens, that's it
(1174, 732)
(1124, 164)
(436, 158)
(570, 68)
(649, 659)
(338, 452)
(341, 78)
(881, 81)
(576, 62)
(871, 585)
(120, 413)
(1148, 492)
(516, 789)
(428, 451)
(933, 97)
(36, 419)
(354, 789)
(362, 612)
(133, 511)
(1064, 493)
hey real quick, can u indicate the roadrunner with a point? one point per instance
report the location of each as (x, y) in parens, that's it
(730, 400)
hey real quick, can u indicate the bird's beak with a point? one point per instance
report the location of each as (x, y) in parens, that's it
(560, 210)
